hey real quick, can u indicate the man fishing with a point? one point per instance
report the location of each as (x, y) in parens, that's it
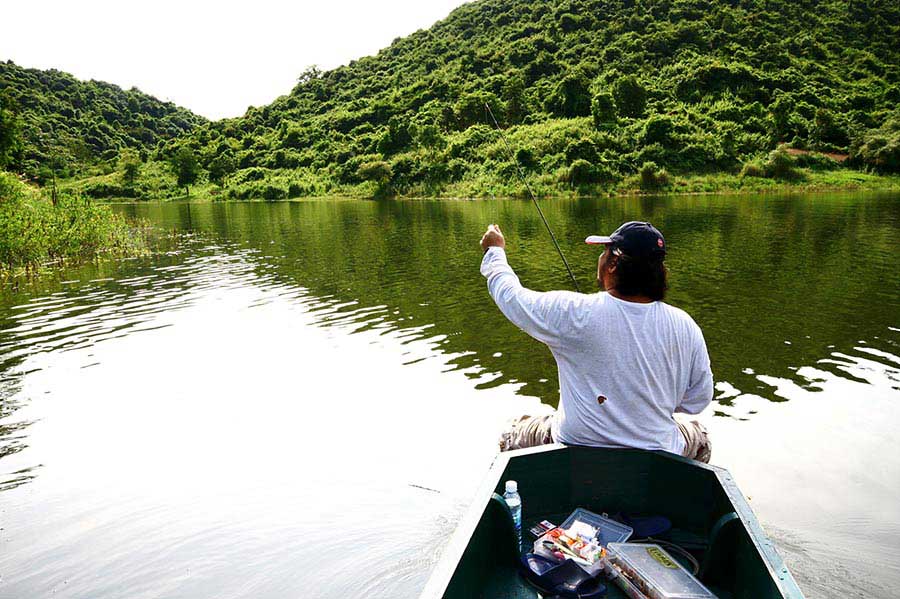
(627, 361)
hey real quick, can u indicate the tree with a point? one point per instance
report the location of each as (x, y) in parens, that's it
(378, 171)
(430, 137)
(658, 129)
(10, 143)
(781, 110)
(630, 96)
(571, 97)
(310, 73)
(130, 163)
(185, 167)
(221, 166)
(470, 109)
(513, 95)
(879, 148)
(603, 109)
(827, 131)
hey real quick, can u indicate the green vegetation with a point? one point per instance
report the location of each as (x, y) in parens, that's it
(36, 230)
(186, 168)
(66, 127)
(596, 96)
(9, 133)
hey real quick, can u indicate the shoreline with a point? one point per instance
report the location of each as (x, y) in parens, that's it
(721, 184)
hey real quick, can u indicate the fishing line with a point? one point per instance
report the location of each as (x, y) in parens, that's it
(533, 199)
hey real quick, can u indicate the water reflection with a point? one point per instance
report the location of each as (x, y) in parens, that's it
(213, 443)
(202, 422)
(774, 282)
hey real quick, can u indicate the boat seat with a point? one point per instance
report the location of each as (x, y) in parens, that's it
(718, 560)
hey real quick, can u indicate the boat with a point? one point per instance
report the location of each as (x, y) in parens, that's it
(710, 519)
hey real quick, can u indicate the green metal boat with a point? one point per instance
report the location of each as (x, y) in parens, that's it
(710, 519)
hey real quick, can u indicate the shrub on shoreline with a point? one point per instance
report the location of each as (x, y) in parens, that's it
(779, 164)
(35, 231)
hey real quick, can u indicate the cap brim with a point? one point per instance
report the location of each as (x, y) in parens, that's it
(598, 240)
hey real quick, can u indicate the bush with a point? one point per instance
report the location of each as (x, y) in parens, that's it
(107, 189)
(753, 169)
(584, 149)
(220, 167)
(816, 161)
(34, 230)
(248, 174)
(469, 109)
(580, 172)
(569, 22)
(571, 97)
(376, 170)
(525, 158)
(630, 96)
(273, 192)
(780, 165)
(658, 129)
(828, 132)
(583, 172)
(603, 109)
(653, 177)
(467, 145)
(879, 148)
(295, 190)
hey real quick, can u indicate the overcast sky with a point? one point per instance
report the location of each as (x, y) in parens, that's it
(216, 58)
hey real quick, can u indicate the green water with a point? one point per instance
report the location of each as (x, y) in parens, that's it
(774, 283)
(201, 422)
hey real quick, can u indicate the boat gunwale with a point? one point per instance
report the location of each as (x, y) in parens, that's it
(453, 551)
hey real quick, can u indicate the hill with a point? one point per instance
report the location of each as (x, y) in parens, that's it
(67, 125)
(594, 95)
(591, 90)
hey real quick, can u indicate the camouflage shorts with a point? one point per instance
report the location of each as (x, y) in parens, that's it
(527, 431)
(531, 431)
(696, 441)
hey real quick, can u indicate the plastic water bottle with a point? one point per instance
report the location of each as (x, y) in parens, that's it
(514, 501)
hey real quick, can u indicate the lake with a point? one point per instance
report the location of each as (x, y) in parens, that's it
(299, 399)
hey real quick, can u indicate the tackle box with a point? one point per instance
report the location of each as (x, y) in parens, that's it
(598, 528)
(608, 531)
(650, 570)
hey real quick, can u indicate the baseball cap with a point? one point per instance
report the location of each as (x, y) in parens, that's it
(635, 239)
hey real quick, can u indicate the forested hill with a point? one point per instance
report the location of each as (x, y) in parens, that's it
(590, 89)
(65, 124)
(594, 95)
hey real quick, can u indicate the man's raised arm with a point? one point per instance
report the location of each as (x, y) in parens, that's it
(545, 316)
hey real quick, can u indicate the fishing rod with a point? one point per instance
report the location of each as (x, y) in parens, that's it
(533, 199)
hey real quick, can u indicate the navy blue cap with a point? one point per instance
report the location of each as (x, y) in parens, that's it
(634, 239)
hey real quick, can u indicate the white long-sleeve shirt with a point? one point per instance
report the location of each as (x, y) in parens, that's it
(624, 367)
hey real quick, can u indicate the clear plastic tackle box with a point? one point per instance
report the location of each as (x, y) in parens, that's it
(652, 571)
(595, 530)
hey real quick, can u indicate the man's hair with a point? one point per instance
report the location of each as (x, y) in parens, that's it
(647, 277)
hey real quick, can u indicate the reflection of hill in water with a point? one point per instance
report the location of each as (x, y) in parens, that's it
(775, 283)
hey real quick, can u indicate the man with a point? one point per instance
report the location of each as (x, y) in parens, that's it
(627, 361)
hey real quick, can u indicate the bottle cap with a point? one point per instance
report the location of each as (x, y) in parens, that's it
(512, 486)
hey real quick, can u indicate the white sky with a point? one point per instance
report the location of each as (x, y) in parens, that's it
(216, 58)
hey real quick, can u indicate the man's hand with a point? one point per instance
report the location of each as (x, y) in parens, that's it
(492, 238)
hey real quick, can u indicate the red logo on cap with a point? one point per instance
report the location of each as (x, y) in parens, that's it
(659, 241)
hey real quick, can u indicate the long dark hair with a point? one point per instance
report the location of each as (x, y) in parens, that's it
(646, 277)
